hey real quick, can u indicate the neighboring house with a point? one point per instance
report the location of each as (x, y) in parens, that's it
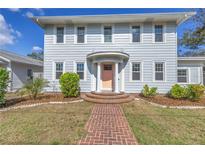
(121, 52)
(191, 70)
(21, 68)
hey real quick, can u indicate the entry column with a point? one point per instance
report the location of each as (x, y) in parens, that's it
(98, 77)
(116, 78)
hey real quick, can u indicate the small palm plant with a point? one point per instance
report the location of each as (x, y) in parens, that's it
(34, 87)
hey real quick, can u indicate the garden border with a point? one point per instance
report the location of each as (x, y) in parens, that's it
(38, 104)
(171, 107)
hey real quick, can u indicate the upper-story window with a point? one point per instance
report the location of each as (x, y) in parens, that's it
(60, 35)
(80, 34)
(158, 33)
(135, 33)
(108, 34)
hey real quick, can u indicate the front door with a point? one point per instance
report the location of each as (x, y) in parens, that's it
(107, 76)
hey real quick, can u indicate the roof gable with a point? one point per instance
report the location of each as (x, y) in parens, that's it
(20, 59)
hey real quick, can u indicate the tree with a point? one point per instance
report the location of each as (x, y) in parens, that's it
(195, 38)
(36, 55)
(4, 79)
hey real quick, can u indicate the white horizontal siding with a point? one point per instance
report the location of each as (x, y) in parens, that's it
(194, 69)
(147, 52)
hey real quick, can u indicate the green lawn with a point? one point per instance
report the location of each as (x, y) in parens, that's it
(47, 124)
(154, 125)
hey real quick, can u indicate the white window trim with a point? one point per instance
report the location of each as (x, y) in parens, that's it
(55, 34)
(54, 69)
(141, 71)
(102, 32)
(163, 31)
(76, 34)
(85, 69)
(164, 73)
(188, 75)
(141, 32)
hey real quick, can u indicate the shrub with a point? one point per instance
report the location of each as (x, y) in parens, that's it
(33, 88)
(148, 92)
(178, 92)
(4, 79)
(195, 92)
(70, 84)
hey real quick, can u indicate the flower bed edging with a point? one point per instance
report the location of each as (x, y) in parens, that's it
(37, 104)
(172, 107)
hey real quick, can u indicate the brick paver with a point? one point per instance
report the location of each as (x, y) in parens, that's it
(108, 125)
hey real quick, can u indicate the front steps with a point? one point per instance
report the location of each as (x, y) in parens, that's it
(107, 97)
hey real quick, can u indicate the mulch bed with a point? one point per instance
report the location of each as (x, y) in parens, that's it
(165, 100)
(42, 98)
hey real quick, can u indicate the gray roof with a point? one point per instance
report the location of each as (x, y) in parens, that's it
(197, 58)
(177, 17)
(19, 58)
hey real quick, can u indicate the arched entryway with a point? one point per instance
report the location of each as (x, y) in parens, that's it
(106, 67)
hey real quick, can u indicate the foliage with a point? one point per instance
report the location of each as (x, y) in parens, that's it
(178, 92)
(194, 38)
(21, 92)
(148, 92)
(36, 55)
(34, 87)
(194, 53)
(70, 84)
(195, 92)
(4, 79)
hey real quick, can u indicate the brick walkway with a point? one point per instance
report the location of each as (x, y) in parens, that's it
(108, 125)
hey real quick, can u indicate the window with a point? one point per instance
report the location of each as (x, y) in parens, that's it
(30, 74)
(60, 35)
(159, 71)
(136, 71)
(59, 70)
(80, 70)
(107, 67)
(135, 33)
(107, 34)
(81, 35)
(158, 33)
(182, 75)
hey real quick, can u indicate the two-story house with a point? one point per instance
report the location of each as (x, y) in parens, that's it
(120, 52)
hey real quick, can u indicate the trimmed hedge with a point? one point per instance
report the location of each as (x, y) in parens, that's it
(4, 79)
(148, 92)
(70, 84)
